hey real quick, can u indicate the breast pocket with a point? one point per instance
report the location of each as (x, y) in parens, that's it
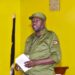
(42, 46)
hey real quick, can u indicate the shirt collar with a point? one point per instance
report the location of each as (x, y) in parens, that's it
(42, 32)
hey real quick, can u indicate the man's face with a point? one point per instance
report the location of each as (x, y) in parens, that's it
(37, 24)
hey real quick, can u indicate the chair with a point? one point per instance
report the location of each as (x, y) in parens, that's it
(60, 70)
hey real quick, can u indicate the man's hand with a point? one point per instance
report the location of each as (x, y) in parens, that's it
(31, 63)
(17, 68)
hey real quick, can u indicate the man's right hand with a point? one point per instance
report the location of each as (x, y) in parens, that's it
(17, 68)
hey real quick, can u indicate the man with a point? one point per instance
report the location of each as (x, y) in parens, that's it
(43, 48)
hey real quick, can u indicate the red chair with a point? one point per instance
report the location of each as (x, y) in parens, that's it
(61, 70)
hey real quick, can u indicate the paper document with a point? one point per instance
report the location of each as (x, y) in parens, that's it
(21, 62)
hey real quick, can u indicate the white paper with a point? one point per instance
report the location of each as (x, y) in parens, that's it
(21, 62)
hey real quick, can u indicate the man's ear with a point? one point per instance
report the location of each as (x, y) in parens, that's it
(44, 22)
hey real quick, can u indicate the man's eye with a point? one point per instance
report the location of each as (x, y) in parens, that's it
(35, 21)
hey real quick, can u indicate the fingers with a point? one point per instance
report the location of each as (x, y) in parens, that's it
(17, 68)
(29, 64)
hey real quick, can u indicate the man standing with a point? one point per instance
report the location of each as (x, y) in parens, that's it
(43, 48)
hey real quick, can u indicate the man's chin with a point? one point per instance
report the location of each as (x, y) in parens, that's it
(36, 30)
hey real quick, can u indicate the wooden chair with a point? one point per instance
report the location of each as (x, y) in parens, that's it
(61, 70)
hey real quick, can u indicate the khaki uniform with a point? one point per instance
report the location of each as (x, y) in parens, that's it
(47, 45)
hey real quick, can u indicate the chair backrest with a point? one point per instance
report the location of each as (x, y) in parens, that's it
(60, 70)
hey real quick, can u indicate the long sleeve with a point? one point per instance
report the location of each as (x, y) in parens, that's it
(28, 44)
(55, 49)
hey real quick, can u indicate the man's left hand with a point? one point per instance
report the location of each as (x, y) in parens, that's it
(31, 63)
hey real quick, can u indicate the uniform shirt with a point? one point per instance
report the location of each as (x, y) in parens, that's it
(44, 46)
